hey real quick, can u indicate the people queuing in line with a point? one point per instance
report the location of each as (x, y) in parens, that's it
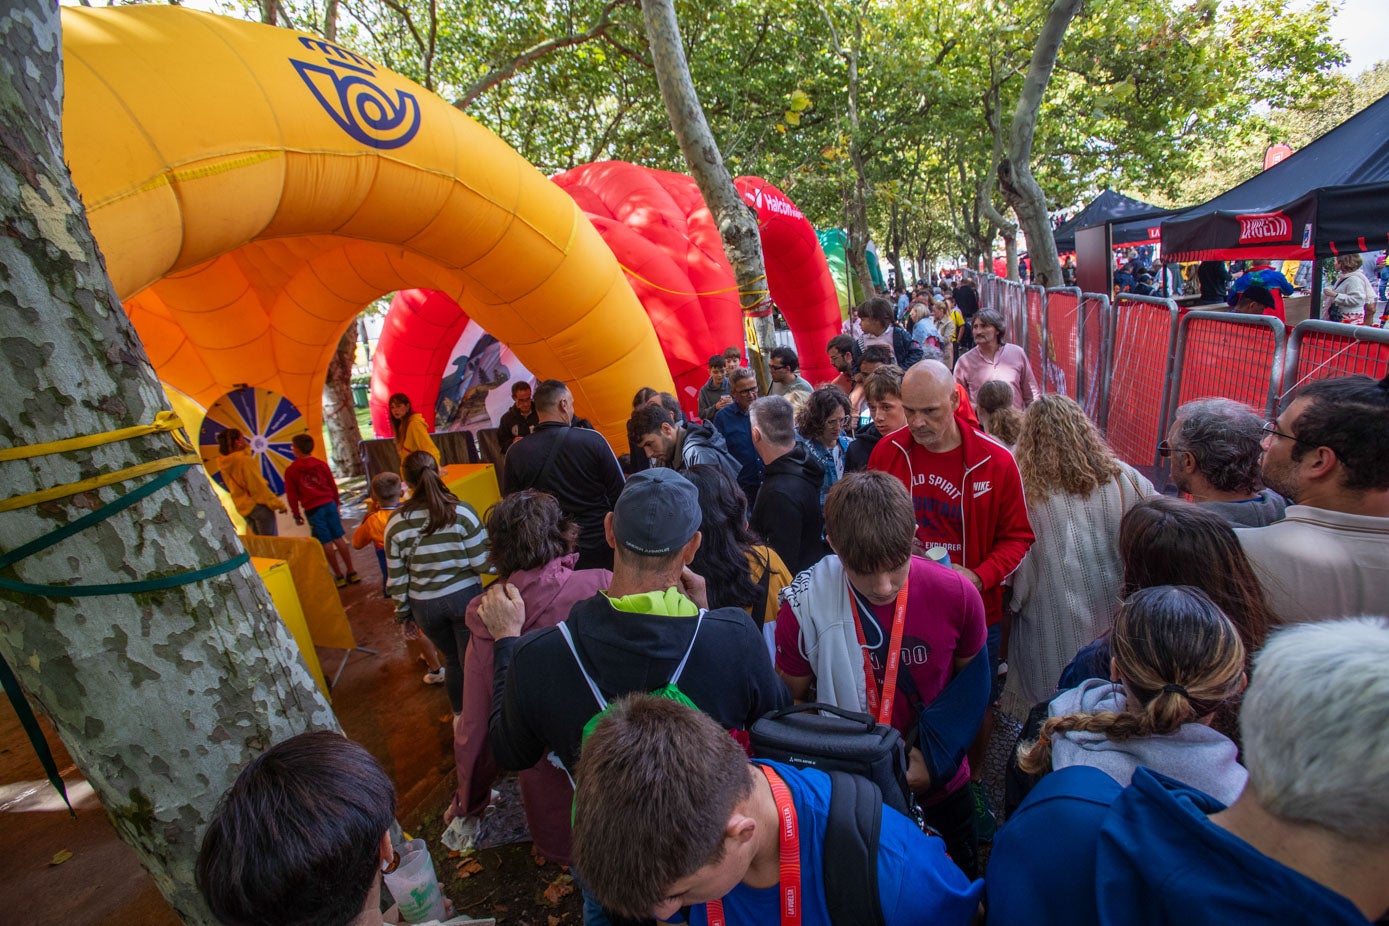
(921, 572)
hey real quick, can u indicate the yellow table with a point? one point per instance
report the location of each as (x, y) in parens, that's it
(476, 484)
(279, 582)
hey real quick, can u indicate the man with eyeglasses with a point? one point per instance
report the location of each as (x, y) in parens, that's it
(734, 423)
(786, 377)
(1215, 446)
(1329, 556)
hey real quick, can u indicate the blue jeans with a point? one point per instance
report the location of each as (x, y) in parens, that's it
(443, 621)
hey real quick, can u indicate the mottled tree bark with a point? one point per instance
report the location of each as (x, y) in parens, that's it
(339, 414)
(159, 697)
(736, 222)
(1020, 188)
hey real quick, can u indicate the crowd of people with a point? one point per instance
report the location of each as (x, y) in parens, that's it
(1193, 688)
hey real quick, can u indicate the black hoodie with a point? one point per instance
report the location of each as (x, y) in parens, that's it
(787, 511)
(540, 701)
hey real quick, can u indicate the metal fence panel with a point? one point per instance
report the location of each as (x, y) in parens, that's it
(1228, 355)
(1033, 328)
(1145, 332)
(1321, 349)
(1061, 356)
(1096, 331)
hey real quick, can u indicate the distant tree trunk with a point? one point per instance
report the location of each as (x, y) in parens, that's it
(737, 223)
(162, 696)
(1015, 179)
(330, 20)
(855, 248)
(1008, 230)
(339, 414)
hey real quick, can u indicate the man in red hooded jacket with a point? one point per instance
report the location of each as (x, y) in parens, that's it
(968, 497)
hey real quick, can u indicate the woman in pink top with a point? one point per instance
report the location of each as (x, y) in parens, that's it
(529, 546)
(993, 359)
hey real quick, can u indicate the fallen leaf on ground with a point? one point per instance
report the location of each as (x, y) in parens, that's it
(553, 920)
(540, 860)
(61, 857)
(559, 889)
(469, 867)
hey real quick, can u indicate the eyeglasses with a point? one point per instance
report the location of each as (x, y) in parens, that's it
(845, 421)
(1271, 428)
(1165, 449)
(749, 390)
(776, 369)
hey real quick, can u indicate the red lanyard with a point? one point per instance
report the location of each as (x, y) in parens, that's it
(788, 857)
(882, 711)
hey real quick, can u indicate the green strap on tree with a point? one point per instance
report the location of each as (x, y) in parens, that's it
(7, 676)
(30, 723)
(116, 588)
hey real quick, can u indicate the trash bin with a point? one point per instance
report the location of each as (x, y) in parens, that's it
(360, 396)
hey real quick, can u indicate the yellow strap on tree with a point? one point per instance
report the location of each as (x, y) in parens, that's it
(164, 422)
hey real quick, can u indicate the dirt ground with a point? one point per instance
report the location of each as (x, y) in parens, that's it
(64, 871)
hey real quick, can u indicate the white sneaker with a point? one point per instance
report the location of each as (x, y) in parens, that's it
(434, 678)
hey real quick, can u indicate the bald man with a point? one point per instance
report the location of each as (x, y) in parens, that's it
(968, 498)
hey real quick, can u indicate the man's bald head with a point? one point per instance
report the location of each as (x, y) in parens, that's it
(931, 373)
(929, 400)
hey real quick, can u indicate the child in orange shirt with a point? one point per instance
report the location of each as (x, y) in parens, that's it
(384, 500)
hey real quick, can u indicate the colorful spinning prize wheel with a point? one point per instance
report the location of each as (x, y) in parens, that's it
(267, 419)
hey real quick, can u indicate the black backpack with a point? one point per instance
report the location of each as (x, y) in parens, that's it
(867, 765)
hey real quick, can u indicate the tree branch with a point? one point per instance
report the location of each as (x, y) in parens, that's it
(497, 75)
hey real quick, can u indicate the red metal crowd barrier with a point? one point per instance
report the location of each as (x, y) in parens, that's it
(1095, 331)
(1060, 368)
(1232, 356)
(1322, 349)
(1145, 331)
(1034, 326)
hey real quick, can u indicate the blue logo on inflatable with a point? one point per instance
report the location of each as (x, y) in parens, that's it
(344, 87)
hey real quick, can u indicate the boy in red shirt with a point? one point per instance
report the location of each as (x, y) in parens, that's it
(309, 481)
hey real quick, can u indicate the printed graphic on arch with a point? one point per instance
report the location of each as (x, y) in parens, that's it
(343, 83)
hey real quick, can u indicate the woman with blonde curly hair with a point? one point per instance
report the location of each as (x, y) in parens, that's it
(1066, 592)
(1177, 658)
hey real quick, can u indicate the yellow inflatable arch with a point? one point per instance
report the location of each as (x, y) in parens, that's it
(253, 188)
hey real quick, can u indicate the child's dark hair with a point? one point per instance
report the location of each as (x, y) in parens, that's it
(427, 491)
(297, 837)
(303, 443)
(226, 441)
(385, 488)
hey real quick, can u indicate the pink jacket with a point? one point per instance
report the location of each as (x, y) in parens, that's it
(549, 593)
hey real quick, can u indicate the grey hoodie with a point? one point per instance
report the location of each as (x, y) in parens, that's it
(700, 443)
(1195, 755)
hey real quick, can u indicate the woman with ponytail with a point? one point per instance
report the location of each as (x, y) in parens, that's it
(436, 549)
(1176, 659)
(411, 433)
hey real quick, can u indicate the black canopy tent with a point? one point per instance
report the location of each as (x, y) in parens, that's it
(1332, 197)
(1109, 206)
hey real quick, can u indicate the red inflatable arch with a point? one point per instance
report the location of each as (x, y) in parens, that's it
(657, 226)
(798, 275)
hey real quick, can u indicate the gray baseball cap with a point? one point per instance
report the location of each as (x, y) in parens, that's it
(657, 513)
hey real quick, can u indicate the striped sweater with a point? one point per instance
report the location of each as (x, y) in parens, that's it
(433, 566)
